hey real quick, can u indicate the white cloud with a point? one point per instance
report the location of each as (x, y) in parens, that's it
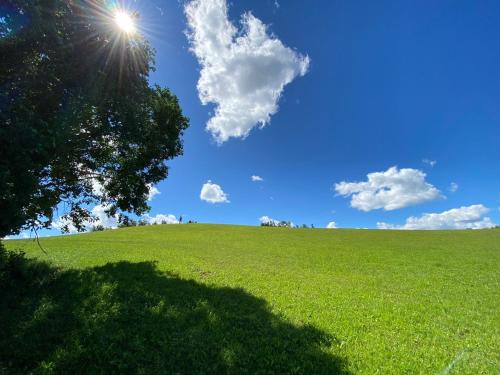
(432, 163)
(161, 219)
(267, 220)
(331, 225)
(213, 193)
(153, 191)
(256, 178)
(22, 235)
(389, 190)
(382, 225)
(97, 188)
(243, 71)
(453, 187)
(101, 219)
(62, 222)
(457, 218)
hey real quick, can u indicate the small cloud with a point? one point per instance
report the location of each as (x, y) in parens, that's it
(213, 193)
(432, 163)
(389, 190)
(382, 225)
(153, 191)
(103, 219)
(331, 225)
(453, 187)
(276, 4)
(467, 217)
(256, 178)
(160, 10)
(161, 219)
(97, 188)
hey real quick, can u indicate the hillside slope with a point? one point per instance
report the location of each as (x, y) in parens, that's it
(234, 299)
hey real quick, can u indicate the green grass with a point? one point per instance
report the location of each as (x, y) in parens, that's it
(233, 299)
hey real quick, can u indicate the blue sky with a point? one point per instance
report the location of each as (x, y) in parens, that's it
(387, 83)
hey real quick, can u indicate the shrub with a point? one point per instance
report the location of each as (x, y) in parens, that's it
(16, 270)
(11, 266)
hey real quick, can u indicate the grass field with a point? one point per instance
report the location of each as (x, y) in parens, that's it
(234, 299)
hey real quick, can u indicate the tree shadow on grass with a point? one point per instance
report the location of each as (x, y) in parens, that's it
(131, 318)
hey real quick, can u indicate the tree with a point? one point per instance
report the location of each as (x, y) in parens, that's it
(79, 123)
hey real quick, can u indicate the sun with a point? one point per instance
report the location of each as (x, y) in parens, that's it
(124, 21)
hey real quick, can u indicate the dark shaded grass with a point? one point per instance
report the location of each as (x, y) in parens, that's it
(132, 318)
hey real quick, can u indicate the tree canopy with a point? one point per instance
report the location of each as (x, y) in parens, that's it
(79, 122)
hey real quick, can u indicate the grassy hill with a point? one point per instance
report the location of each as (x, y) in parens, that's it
(234, 299)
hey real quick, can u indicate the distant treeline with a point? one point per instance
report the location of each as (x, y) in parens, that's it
(125, 222)
(283, 224)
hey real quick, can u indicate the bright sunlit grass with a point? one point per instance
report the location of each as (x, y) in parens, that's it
(232, 299)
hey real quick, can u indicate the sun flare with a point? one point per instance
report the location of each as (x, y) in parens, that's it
(125, 22)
